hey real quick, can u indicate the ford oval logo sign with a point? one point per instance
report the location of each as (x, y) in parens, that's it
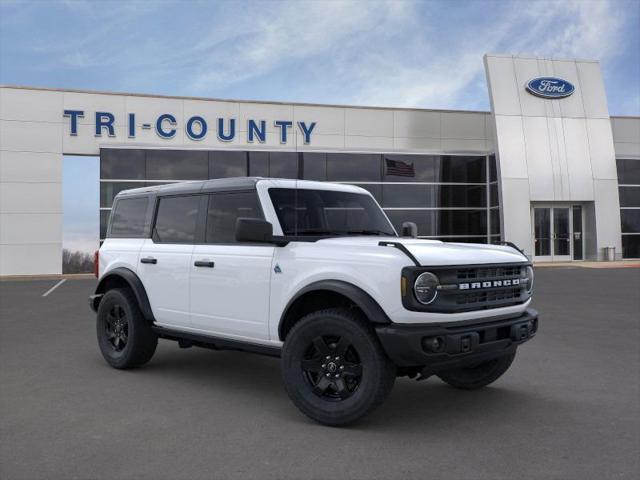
(550, 87)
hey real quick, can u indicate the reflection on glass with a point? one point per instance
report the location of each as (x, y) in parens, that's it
(561, 239)
(122, 164)
(542, 227)
(224, 164)
(177, 165)
(314, 166)
(283, 165)
(353, 167)
(259, 164)
(577, 232)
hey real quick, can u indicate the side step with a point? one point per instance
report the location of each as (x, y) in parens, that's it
(189, 339)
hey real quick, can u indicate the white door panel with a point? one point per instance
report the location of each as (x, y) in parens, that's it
(167, 281)
(232, 297)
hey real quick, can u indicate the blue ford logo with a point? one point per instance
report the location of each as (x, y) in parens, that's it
(550, 87)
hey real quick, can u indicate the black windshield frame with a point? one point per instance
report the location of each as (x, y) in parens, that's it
(309, 214)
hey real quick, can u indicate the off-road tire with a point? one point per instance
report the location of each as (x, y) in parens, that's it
(478, 376)
(141, 342)
(349, 397)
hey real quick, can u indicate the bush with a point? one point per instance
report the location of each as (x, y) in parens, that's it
(76, 262)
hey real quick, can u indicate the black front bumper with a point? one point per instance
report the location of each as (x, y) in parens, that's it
(443, 347)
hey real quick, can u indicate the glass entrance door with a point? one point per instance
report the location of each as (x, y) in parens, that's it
(561, 234)
(557, 233)
(542, 233)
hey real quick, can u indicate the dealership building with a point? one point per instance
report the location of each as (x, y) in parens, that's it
(547, 168)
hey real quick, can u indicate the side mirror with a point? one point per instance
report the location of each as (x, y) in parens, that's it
(409, 229)
(253, 230)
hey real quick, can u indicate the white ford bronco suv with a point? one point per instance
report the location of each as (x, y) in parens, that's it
(313, 273)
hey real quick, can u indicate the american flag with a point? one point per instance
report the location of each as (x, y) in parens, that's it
(399, 168)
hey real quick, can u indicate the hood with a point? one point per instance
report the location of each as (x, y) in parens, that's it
(437, 253)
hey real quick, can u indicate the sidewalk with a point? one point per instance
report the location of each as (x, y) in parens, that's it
(580, 264)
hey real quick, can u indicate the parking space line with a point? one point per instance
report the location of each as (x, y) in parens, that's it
(54, 287)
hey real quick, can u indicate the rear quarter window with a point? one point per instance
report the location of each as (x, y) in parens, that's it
(128, 218)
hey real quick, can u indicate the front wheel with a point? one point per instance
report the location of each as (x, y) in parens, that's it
(478, 376)
(333, 367)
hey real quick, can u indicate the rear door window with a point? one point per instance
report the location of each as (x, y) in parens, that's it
(128, 217)
(176, 219)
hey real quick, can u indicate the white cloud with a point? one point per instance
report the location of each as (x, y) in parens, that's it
(387, 52)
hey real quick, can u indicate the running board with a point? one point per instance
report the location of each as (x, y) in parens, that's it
(215, 343)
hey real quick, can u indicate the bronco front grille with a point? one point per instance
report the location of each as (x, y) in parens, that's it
(491, 272)
(488, 297)
(471, 288)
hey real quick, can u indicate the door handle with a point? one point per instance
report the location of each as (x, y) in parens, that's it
(204, 263)
(149, 260)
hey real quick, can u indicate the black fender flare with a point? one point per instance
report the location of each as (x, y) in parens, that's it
(134, 282)
(372, 310)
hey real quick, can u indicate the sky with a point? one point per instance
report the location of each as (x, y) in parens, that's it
(385, 53)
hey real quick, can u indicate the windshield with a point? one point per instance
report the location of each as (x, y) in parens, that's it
(326, 213)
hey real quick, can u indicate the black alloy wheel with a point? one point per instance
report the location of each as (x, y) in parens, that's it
(117, 327)
(332, 367)
(125, 337)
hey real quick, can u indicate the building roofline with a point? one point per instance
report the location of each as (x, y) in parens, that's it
(266, 102)
(230, 100)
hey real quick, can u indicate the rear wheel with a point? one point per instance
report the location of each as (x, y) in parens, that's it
(478, 376)
(124, 336)
(334, 368)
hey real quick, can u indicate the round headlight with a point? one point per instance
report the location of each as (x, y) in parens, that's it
(425, 287)
(529, 274)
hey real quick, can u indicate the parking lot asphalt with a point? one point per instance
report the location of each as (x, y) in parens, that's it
(568, 408)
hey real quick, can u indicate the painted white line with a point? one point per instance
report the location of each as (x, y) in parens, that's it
(54, 287)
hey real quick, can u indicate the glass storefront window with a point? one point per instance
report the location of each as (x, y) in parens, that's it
(122, 164)
(225, 164)
(433, 196)
(177, 165)
(259, 164)
(629, 196)
(628, 171)
(314, 166)
(283, 164)
(353, 167)
(442, 222)
(630, 221)
(463, 239)
(493, 169)
(462, 169)
(404, 196)
(631, 246)
(445, 195)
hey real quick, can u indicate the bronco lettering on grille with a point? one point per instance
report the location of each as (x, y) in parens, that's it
(490, 284)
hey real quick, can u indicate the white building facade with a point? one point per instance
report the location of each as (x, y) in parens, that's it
(547, 168)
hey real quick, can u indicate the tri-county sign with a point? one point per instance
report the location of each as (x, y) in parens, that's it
(550, 87)
(196, 127)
